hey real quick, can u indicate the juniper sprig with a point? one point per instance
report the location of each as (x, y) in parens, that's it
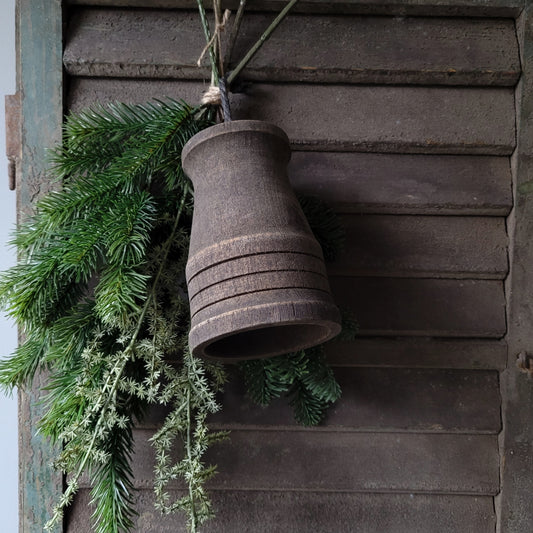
(99, 294)
(91, 296)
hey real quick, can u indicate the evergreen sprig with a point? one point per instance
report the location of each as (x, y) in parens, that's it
(100, 296)
(90, 294)
(304, 376)
(324, 224)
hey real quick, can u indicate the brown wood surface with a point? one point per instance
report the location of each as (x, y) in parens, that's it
(422, 246)
(517, 388)
(311, 460)
(423, 307)
(473, 8)
(378, 399)
(393, 183)
(167, 44)
(308, 512)
(412, 446)
(421, 352)
(349, 118)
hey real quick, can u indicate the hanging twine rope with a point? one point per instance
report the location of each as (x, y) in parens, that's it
(218, 95)
(219, 28)
(215, 95)
(224, 100)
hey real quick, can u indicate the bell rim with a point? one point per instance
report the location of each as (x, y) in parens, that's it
(226, 128)
(324, 316)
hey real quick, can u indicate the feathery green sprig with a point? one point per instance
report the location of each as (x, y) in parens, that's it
(100, 296)
(89, 291)
(304, 377)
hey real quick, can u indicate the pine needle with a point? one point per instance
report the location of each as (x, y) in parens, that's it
(100, 294)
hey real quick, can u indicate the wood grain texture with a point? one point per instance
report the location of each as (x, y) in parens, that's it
(345, 462)
(230, 273)
(419, 352)
(39, 66)
(411, 447)
(377, 399)
(350, 118)
(423, 246)
(13, 144)
(517, 451)
(423, 307)
(166, 44)
(472, 8)
(308, 512)
(401, 184)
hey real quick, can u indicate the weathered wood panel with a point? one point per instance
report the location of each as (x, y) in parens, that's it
(419, 353)
(166, 44)
(423, 307)
(308, 512)
(399, 184)
(397, 432)
(350, 118)
(377, 399)
(471, 8)
(39, 81)
(516, 512)
(420, 246)
(386, 399)
(345, 462)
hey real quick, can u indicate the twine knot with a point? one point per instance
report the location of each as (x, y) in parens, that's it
(212, 96)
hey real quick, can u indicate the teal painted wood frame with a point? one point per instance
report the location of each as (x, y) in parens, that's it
(40, 84)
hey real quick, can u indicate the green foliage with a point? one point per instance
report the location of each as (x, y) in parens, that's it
(193, 381)
(304, 376)
(91, 294)
(349, 326)
(100, 296)
(112, 478)
(325, 225)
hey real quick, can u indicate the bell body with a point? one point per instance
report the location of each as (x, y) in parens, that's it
(256, 277)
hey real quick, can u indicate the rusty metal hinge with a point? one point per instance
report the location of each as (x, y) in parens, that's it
(13, 137)
(524, 362)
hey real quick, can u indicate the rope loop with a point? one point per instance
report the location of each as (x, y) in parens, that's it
(219, 28)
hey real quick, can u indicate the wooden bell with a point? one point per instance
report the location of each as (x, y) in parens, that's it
(255, 273)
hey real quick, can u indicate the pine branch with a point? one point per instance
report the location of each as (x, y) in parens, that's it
(100, 293)
(82, 450)
(349, 325)
(141, 157)
(89, 289)
(268, 379)
(19, 369)
(113, 489)
(77, 230)
(37, 292)
(193, 396)
(308, 409)
(304, 376)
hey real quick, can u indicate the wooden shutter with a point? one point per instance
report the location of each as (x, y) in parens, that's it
(402, 116)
